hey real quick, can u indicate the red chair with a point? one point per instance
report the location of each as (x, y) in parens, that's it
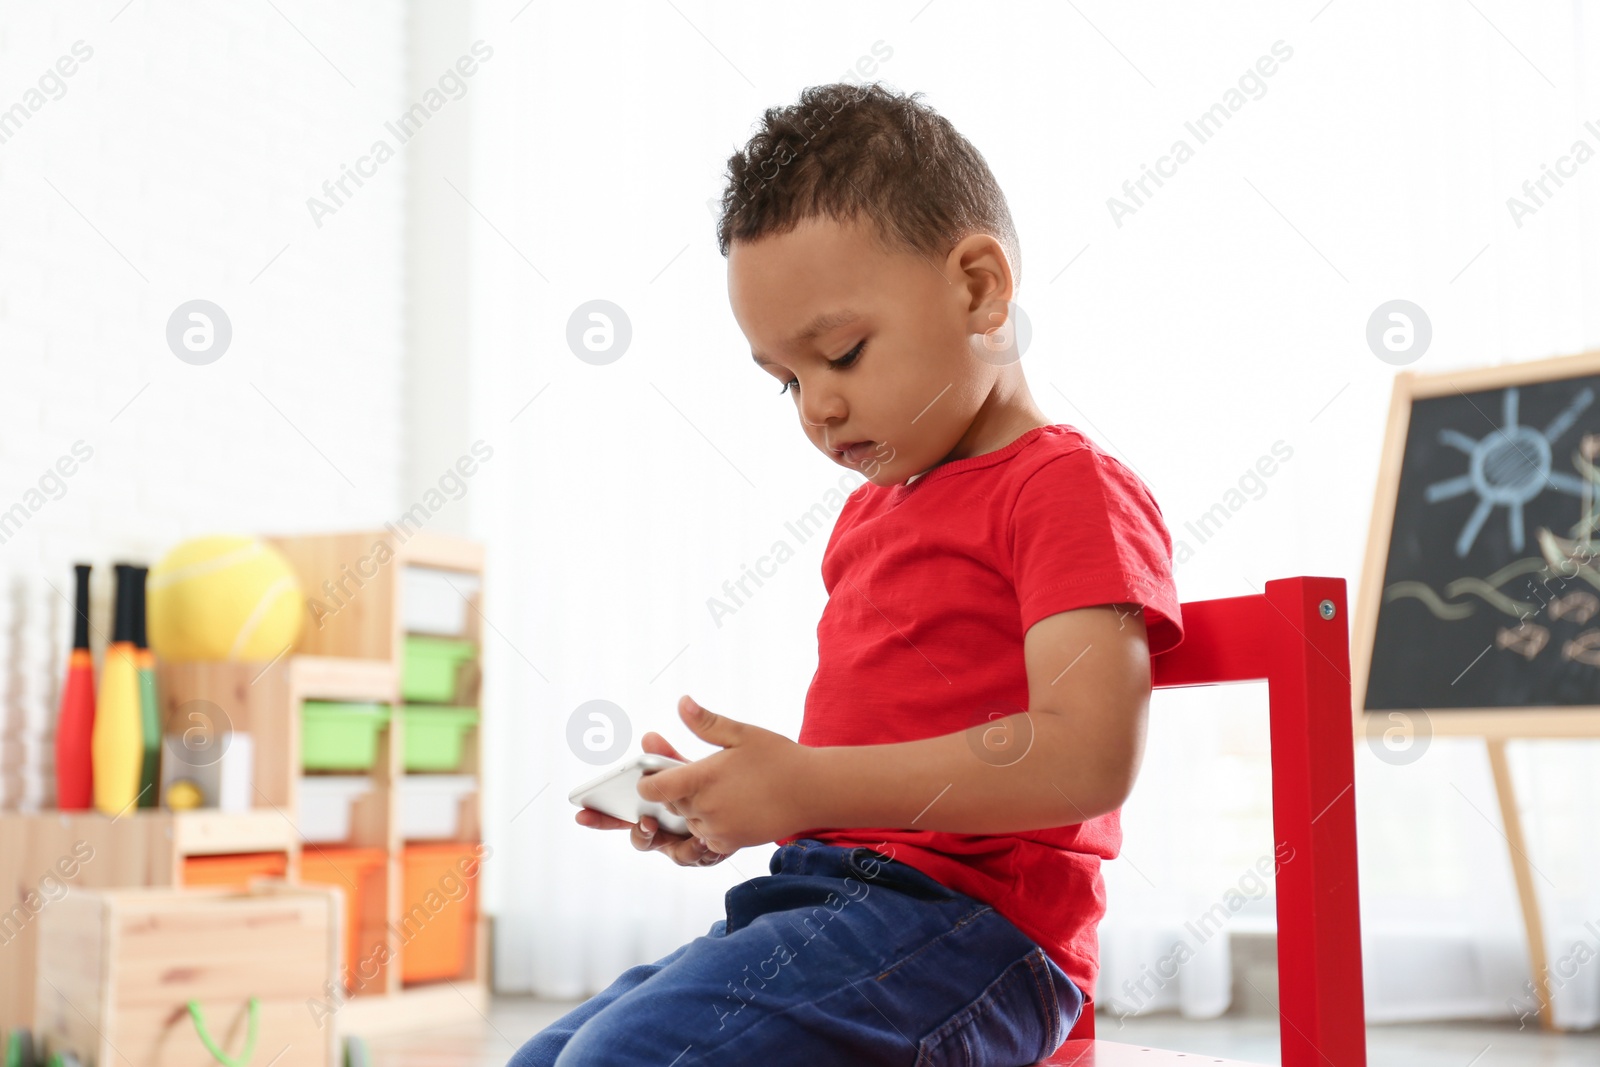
(1294, 636)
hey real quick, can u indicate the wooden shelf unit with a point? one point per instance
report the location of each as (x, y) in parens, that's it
(355, 588)
(355, 654)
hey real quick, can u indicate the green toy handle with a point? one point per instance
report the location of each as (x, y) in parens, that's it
(211, 1046)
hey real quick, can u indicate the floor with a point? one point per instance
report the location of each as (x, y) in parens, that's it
(512, 1020)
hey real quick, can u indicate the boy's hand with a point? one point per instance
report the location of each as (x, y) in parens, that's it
(747, 794)
(647, 836)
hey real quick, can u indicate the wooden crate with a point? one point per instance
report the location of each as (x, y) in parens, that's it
(47, 856)
(117, 968)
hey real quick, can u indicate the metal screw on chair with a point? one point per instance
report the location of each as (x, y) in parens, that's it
(1325, 609)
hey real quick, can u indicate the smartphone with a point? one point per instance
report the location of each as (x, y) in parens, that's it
(616, 793)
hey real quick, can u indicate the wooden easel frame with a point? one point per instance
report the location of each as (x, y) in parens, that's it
(1495, 725)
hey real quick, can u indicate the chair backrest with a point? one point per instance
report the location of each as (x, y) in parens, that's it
(1295, 637)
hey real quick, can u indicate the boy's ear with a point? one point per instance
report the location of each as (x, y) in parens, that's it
(984, 274)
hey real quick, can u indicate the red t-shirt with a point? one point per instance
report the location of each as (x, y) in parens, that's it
(931, 587)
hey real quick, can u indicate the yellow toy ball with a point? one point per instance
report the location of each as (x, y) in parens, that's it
(224, 598)
(184, 795)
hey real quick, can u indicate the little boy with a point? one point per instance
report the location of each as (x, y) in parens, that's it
(996, 589)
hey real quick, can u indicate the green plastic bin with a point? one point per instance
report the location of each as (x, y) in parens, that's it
(434, 734)
(340, 736)
(429, 672)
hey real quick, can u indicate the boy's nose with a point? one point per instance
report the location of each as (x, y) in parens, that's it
(820, 411)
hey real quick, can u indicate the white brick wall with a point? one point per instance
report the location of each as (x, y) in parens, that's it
(190, 140)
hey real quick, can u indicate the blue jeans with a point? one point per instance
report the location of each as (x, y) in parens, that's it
(841, 956)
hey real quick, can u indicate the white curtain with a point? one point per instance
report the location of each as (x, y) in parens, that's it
(1223, 316)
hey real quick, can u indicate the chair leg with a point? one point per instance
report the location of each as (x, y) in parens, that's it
(1320, 997)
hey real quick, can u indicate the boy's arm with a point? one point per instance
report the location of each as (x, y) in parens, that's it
(1072, 756)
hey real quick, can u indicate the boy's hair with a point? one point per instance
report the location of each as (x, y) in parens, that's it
(865, 152)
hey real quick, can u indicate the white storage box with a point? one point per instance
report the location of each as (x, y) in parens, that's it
(430, 805)
(326, 802)
(435, 601)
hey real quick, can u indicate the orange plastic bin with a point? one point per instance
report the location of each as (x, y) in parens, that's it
(235, 869)
(359, 872)
(438, 910)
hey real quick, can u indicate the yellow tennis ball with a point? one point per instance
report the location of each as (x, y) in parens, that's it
(224, 598)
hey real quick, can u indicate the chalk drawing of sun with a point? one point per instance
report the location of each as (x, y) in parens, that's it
(1510, 466)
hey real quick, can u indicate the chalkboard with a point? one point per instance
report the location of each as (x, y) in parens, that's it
(1479, 605)
(1490, 590)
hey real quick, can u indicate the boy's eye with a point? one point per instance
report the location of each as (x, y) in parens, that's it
(838, 364)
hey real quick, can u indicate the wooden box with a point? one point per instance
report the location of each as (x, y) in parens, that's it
(117, 968)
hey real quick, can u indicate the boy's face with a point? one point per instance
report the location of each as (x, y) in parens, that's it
(903, 374)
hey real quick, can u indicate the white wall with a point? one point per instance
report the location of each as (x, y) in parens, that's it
(176, 165)
(439, 234)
